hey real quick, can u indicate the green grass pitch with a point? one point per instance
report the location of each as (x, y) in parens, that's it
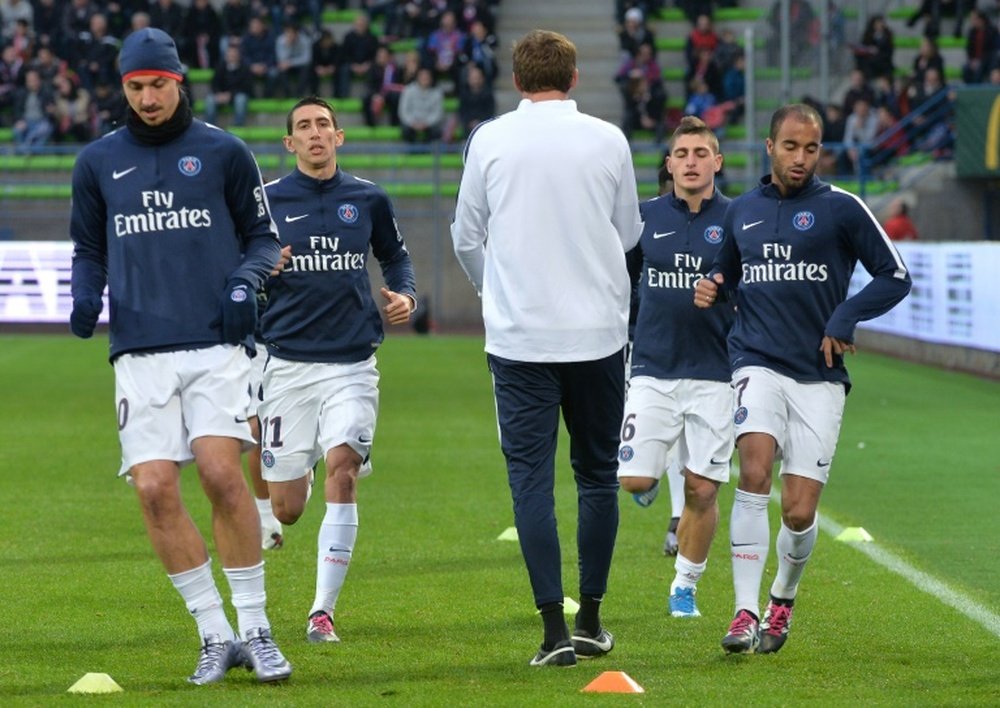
(437, 612)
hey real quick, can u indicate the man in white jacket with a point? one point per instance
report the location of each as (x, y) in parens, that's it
(546, 210)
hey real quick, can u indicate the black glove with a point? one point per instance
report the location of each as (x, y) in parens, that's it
(83, 319)
(239, 311)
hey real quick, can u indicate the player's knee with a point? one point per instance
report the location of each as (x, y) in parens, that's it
(636, 485)
(286, 513)
(699, 493)
(798, 518)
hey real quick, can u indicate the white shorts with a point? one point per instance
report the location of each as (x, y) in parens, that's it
(167, 399)
(804, 418)
(257, 380)
(310, 408)
(694, 415)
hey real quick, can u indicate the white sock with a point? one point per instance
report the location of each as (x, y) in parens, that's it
(749, 540)
(337, 536)
(197, 587)
(794, 549)
(676, 482)
(266, 513)
(688, 573)
(249, 598)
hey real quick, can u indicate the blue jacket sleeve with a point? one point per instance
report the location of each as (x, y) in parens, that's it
(390, 251)
(252, 217)
(727, 259)
(890, 279)
(87, 230)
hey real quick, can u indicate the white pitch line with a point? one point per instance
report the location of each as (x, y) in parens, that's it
(921, 580)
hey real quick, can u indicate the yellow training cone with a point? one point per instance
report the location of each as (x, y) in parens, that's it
(509, 534)
(570, 606)
(855, 534)
(613, 682)
(95, 683)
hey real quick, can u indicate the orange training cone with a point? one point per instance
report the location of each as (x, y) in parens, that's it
(614, 682)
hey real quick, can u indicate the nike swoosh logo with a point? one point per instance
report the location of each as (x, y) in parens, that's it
(290, 219)
(718, 462)
(821, 463)
(740, 545)
(239, 420)
(364, 441)
(659, 235)
(118, 175)
(750, 226)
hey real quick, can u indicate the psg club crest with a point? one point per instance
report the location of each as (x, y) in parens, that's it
(741, 415)
(713, 234)
(626, 453)
(267, 457)
(348, 213)
(189, 166)
(804, 220)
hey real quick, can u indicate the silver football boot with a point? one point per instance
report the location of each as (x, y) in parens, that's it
(263, 656)
(217, 657)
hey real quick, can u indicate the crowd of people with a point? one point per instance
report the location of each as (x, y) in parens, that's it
(864, 126)
(59, 81)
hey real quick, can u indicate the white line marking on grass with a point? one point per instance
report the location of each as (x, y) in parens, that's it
(921, 580)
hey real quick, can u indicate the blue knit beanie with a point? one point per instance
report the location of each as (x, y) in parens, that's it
(150, 51)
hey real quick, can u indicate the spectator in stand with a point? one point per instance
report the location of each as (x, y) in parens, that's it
(476, 102)
(23, 39)
(480, 49)
(702, 36)
(48, 24)
(96, 53)
(169, 17)
(325, 60)
(140, 20)
(257, 46)
(109, 107)
(421, 109)
(804, 32)
(727, 50)
(293, 55)
(890, 139)
(394, 21)
(443, 47)
(873, 55)
(700, 100)
(235, 19)
(357, 52)
(734, 88)
(119, 14)
(32, 109)
(384, 88)
(633, 33)
(928, 57)
(931, 129)
(692, 9)
(898, 226)
(644, 96)
(424, 16)
(994, 78)
(72, 114)
(202, 32)
(232, 86)
(859, 132)
(981, 46)
(75, 21)
(11, 65)
(857, 88)
(833, 159)
(931, 12)
(13, 10)
(470, 12)
(46, 64)
(706, 69)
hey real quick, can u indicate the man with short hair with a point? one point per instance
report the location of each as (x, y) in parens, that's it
(170, 213)
(679, 395)
(547, 207)
(322, 328)
(790, 249)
